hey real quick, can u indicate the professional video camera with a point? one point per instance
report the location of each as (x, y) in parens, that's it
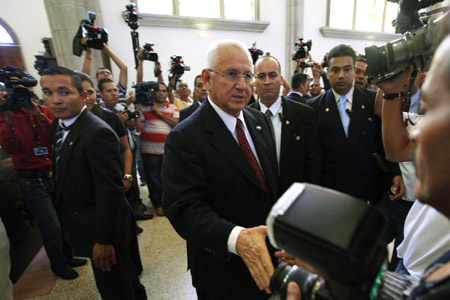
(45, 60)
(177, 66)
(336, 234)
(255, 52)
(131, 17)
(149, 53)
(414, 47)
(17, 97)
(96, 36)
(302, 49)
(145, 92)
(306, 64)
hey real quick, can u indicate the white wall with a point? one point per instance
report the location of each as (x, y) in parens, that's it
(28, 20)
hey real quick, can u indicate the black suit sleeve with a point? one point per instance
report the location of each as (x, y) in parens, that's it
(313, 149)
(103, 155)
(187, 194)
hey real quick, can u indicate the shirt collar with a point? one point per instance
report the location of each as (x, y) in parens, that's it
(275, 108)
(349, 95)
(295, 92)
(69, 122)
(228, 120)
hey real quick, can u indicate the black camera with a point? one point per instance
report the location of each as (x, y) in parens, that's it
(145, 92)
(45, 60)
(177, 66)
(131, 17)
(132, 114)
(337, 234)
(306, 64)
(302, 49)
(414, 47)
(149, 53)
(16, 97)
(255, 52)
(96, 36)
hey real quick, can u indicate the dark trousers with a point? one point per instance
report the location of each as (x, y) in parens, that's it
(153, 167)
(122, 282)
(38, 196)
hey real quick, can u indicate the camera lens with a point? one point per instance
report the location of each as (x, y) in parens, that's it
(309, 283)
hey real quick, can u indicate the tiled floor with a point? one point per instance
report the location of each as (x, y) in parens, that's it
(165, 274)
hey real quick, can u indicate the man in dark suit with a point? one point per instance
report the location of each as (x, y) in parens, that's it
(89, 190)
(299, 86)
(200, 94)
(349, 130)
(294, 128)
(220, 181)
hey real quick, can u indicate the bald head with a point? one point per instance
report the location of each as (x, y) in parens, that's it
(214, 51)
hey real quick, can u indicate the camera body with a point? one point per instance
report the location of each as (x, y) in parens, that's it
(132, 114)
(306, 64)
(335, 233)
(177, 66)
(96, 35)
(255, 52)
(17, 97)
(131, 17)
(145, 92)
(414, 47)
(303, 49)
(149, 53)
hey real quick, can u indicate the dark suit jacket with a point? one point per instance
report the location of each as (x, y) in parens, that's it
(348, 164)
(296, 97)
(187, 111)
(89, 187)
(300, 145)
(209, 188)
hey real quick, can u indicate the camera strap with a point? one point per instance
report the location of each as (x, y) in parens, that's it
(407, 100)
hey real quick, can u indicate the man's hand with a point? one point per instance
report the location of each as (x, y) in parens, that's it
(104, 256)
(156, 109)
(251, 247)
(317, 71)
(293, 291)
(399, 187)
(123, 115)
(35, 111)
(399, 83)
(127, 184)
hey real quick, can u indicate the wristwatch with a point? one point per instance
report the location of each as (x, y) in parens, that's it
(128, 177)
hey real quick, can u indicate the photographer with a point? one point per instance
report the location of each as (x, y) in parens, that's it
(155, 124)
(432, 157)
(25, 135)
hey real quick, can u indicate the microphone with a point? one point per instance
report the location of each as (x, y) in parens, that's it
(349, 112)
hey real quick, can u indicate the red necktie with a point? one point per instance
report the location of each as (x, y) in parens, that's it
(245, 147)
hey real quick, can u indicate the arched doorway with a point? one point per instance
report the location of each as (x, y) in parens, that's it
(10, 54)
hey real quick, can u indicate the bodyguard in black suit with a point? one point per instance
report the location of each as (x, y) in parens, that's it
(217, 196)
(199, 95)
(348, 128)
(299, 88)
(89, 190)
(296, 138)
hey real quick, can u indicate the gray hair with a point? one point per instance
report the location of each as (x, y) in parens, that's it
(212, 54)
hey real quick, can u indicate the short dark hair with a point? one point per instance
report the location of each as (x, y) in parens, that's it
(58, 70)
(99, 69)
(160, 82)
(195, 80)
(341, 50)
(85, 77)
(102, 82)
(297, 79)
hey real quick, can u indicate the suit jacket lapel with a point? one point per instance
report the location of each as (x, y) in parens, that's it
(66, 151)
(288, 123)
(224, 142)
(360, 109)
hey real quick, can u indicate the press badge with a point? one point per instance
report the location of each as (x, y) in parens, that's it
(40, 151)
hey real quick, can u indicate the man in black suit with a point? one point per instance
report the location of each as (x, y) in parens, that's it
(200, 94)
(295, 131)
(299, 86)
(220, 181)
(89, 189)
(349, 130)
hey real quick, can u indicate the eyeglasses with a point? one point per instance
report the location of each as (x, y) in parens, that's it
(232, 76)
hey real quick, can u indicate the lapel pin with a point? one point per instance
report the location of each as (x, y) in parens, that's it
(70, 144)
(297, 138)
(327, 109)
(370, 119)
(287, 122)
(258, 128)
(363, 106)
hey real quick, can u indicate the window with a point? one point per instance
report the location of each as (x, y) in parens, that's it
(362, 15)
(5, 37)
(217, 9)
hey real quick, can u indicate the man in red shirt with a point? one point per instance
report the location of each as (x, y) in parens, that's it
(24, 134)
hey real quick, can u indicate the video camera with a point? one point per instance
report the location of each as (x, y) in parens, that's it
(302, 49)
(131, 17)
(45, 60)
(177, 66)
(17, 97)
(145, 92)
(337, 234)
(96, 36)
(255, 52)
(149, 53)
(414, 47)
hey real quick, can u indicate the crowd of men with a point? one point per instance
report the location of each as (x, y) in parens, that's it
(214, 165)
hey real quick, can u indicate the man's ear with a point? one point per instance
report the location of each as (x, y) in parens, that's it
(206, 78)
(84, 96)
